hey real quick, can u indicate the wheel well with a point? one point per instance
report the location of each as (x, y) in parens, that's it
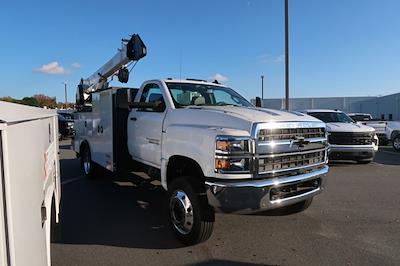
(179, 166)
(394, 134)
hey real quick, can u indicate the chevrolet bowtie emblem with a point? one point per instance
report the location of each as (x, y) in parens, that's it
(299, 141)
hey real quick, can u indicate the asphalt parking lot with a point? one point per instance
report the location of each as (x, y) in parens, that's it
(120, 221)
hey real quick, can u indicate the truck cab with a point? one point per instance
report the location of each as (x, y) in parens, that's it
(211, 149)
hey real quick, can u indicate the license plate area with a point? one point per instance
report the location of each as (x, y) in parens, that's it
(293, 190)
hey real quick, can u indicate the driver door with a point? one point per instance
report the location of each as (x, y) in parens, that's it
(145, 127)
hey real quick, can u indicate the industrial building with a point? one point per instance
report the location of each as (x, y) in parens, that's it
(382, 107)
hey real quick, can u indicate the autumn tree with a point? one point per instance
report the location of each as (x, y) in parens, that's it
(44, 100)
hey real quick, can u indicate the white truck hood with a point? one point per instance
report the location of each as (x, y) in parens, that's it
(348, 127)
(231, 117)
(254, 114)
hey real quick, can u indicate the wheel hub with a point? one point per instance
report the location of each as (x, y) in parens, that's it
(86, 164)
(181, 212)
(396, 143)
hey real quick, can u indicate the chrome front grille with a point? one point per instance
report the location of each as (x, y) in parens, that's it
(289, 148)
(290, 133)
(275, 163)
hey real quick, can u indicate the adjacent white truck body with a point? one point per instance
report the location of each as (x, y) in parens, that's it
(29, 183)
(387, 131)
(392, 130)
(210, 148)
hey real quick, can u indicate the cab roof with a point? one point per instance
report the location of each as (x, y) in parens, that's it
(359, 114)
(14, 113)
(193, 81)
(321, 111)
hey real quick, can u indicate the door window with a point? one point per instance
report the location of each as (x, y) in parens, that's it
(151, 94)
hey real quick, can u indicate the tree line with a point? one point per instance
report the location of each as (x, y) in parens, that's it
(38, 100)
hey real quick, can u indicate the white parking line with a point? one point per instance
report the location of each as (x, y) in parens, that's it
(71, 180)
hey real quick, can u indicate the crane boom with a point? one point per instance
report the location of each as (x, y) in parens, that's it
(132, 50)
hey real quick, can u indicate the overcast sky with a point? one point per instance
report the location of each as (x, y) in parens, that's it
(338, 47)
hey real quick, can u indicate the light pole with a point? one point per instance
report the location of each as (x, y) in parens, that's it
(262, 87)
(65, 93)
(287, 54)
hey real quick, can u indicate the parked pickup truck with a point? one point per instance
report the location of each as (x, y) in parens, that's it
(392, 130)
(387, 131)
(211, 149)
(347, 139)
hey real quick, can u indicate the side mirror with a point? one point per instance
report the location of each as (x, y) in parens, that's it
(258, 102)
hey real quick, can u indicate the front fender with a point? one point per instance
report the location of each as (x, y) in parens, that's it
(194, 142)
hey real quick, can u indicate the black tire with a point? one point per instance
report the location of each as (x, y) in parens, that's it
(396, 142)
(195, 225)
(87, 165)
(55, 228)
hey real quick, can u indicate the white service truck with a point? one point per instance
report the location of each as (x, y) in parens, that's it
(29, 184)
(211, 149)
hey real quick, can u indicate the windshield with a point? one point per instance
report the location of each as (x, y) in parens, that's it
(187, 94)
(333, 117)
(361, 117)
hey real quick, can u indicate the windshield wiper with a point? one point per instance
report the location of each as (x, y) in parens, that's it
(228, 104)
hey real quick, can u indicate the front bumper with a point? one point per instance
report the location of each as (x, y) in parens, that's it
(252, 196)
(352, 152)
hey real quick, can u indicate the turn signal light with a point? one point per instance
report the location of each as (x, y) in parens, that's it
(222, 164)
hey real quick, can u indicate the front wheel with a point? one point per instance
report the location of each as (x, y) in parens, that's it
(192, 219)
(396, 142)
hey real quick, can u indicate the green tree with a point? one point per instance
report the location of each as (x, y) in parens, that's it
(9, 99)
(30, 101)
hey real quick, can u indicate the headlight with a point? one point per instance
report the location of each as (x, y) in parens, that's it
(226, 144)
(232, 154)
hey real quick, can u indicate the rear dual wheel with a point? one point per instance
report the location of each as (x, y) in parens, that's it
(87, 165)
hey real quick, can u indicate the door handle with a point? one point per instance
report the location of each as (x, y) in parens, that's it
(133, 118)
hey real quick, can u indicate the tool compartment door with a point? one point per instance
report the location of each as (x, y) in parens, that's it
(102, 143)
(24, 148)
